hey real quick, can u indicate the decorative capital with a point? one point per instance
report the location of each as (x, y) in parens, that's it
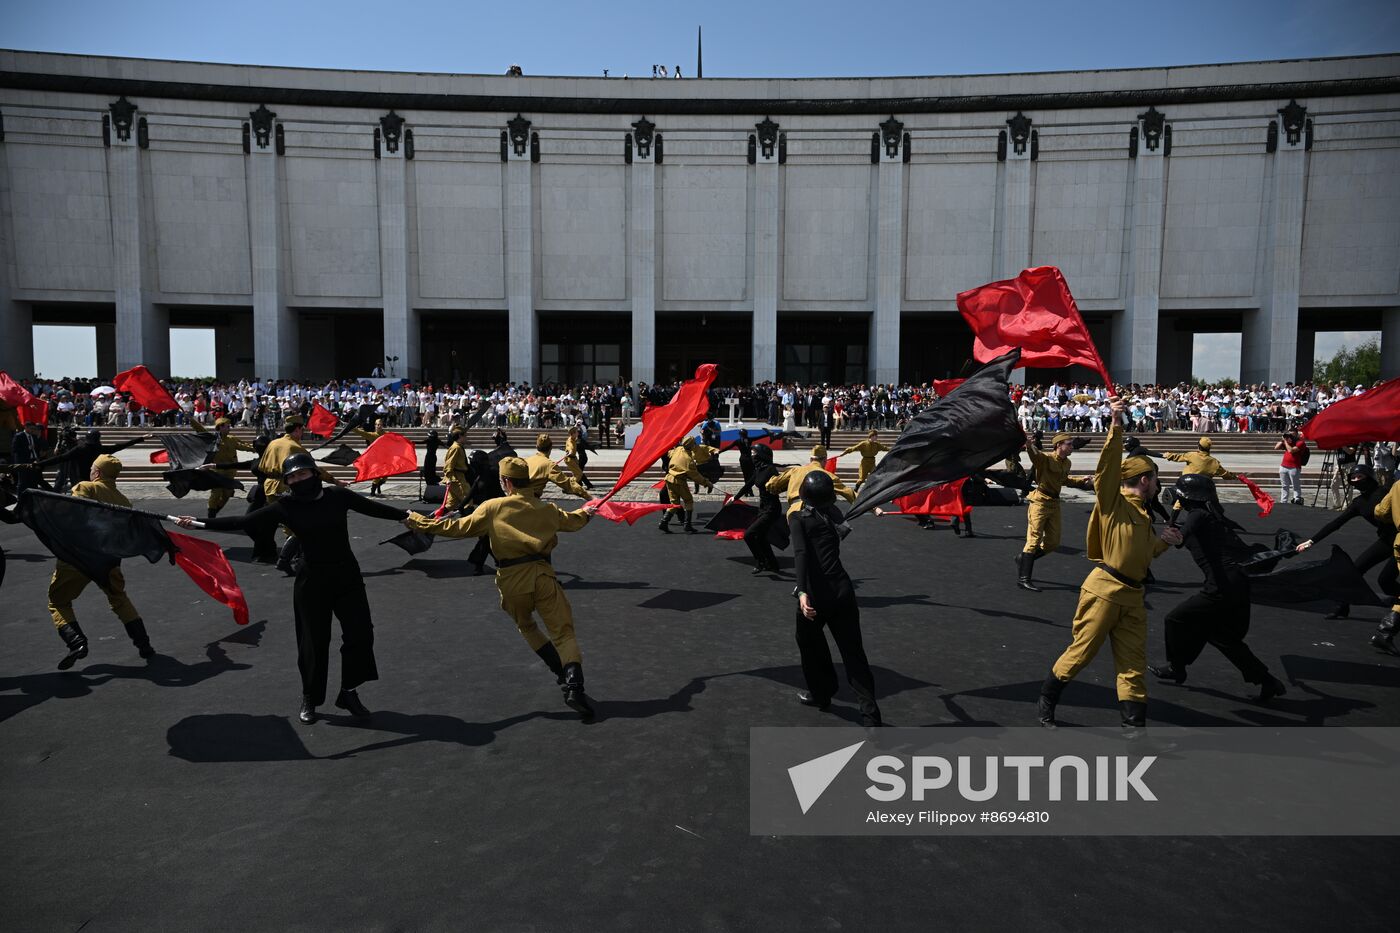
(1153, 122)
(392, 126)
(1020, 132)
(1294, 116)
(767, 136)
(123, 112)
(262, 124)
(891, 133)
(642, 132)
(519, 129)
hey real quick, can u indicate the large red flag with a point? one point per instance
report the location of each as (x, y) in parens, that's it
(945, 499)
(944, 386)
(1261, 498)
(1035, 312)
(145, 388)
(629, 512)
(321, 422)
(1372, 416)
(664, 425)
(28, 407)
(390, 455)
(206, 565)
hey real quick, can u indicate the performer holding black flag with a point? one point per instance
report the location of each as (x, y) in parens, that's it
(80, 458)
(272, 465)
(770, 512)
(745, 446)
(68, 582)
(1219, 613)
(1369, 494)
(1120, 538)
(524, 531)
(826, 598)
(225, 458)
(328, 580)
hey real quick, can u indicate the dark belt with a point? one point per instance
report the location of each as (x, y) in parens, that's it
(1048, 495)
(1121, 577)
(524, 559)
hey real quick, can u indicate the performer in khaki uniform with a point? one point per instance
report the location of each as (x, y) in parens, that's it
(572, 445)
(543, 470)
(1388, 510)
(1111, 606)
(1043, 508)
(680, 472)
(369, 437)
(867, 449)
(1200, 461)
(225, 459)
(68, 582)
(454, 474)
(790, 481)
(524, 532)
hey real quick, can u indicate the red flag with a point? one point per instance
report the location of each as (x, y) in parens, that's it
(160, 456)
(1261, 498)
(1372, 416)
(321, 422)
(206, 565)
(945, 500)
(664, 425)
(390, 455)
(28, 407)
(628, 512)
(830, 465)
(145, 388)
(659, 484)
(944, 386)
(1035, 312)
(733, 534)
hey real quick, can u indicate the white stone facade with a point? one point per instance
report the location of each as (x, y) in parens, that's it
(1220, 222)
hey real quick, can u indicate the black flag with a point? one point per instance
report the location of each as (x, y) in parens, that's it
(414, 542)
(189, 451)
(91, 535)
(1320, 583)
(967, 430)
(481, 409)
(344, 455)
(180, 482)
(734, 515)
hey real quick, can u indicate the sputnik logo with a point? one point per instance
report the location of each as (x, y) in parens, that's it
(810, 779)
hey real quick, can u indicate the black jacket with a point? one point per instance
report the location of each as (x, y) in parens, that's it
(816, 549)
(1363, 507)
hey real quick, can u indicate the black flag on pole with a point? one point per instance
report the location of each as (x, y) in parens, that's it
(481, 410)
(180, 482)
(967, 430)
(1315, 583)
(344, 455)
(414, 542)
(93, 536)
(189, 451)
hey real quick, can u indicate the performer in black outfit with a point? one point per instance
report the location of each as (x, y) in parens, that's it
(329, 580)
(745, 448)
(264, 540)
(825, 597)
(77, 461)
(429, 471)
(1369, 494)
(770, 511)
(485, 480)
(1219, 613)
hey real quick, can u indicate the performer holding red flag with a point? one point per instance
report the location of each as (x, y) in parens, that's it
(664, 425)
(328, 579)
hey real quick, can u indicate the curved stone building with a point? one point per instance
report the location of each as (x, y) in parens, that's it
(595, 228)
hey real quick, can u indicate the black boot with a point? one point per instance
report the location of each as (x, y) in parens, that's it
(1025, 567)
(136, 629)
(1134, 714)
(349, 701)
(574, 697)
(666, 520)
(957, 528)
(1176, 675)
(1270, 688)
(689, 518)
(550, 656)
(968, 522)
(1050, 692)
(806, 699)
(308, 710)
(1384, 639)
(213, 513)
(77, 644)
(1343, 611)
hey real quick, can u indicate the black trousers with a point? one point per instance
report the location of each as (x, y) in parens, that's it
(1381, 552)
(316, 595)
(481, 551)
(756, 537)
(844, 624)
(1206, 620)
(826, 436)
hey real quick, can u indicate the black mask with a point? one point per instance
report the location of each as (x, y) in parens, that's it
(307, 488)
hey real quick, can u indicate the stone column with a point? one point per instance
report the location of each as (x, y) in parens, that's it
(401, 332)
(889, 255)
(520, 253)
(1390, 343)
(641, 253)
(276, 335)
(1013, 246)
(1135, 351)
(143, 332)
(1175, 349)
(1269, 345)
(16, 318)
(765, 254)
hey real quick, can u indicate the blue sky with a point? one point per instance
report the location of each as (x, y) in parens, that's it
(775, 39)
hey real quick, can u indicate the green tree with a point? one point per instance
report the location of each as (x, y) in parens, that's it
(1358, 366)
